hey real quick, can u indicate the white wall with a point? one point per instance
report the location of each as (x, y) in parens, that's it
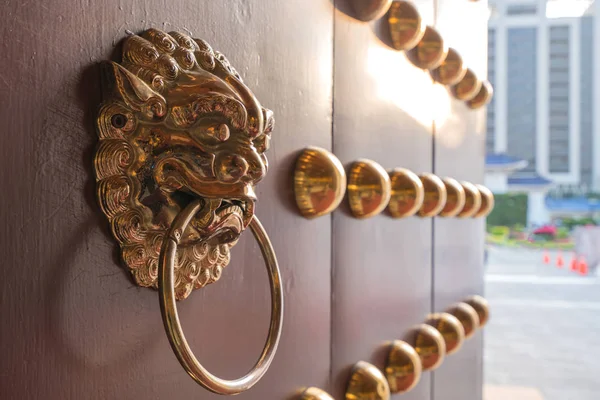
(537, 213)
(496, 182)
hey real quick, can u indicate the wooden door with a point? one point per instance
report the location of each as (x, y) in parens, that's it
(382, 266)
(75, 326)
(390, 274)
(459, 152)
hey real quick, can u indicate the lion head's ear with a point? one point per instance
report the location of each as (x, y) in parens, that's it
(269, 120)
(119, 83)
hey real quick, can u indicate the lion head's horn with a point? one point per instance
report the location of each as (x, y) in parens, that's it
(134, 92)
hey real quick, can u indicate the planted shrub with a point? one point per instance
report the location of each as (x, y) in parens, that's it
(500, 231)
(510, 209)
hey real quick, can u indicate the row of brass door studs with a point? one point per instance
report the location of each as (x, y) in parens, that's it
(320, 184)
(426, 49)
(423, 349)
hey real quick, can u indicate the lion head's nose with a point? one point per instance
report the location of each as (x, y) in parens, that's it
(257, 170)
(230, 168)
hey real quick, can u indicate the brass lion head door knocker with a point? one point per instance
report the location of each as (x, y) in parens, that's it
(182, 144)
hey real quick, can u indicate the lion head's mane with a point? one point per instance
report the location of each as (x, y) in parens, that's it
(177, 124)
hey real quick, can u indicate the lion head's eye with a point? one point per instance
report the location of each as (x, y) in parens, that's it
(118, 121)
(262, 143)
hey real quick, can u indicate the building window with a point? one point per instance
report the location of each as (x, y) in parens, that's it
(559, 84)
(521, 95)
(491, 120)
(587, 75)
(521, 9)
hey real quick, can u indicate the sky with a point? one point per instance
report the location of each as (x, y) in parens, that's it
(567, 8)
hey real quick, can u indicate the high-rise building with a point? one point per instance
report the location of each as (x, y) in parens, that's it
(546, 109)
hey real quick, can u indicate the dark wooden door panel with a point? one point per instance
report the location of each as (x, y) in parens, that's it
(459, 153)
(75, 325)
(381, 267)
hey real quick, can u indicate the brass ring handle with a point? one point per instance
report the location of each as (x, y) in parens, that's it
(166, 287)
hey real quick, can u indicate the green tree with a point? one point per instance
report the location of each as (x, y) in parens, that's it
(509, 210)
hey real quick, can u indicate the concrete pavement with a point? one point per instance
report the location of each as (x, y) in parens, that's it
(544, 332)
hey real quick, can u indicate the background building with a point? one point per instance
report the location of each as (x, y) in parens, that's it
(544, 115)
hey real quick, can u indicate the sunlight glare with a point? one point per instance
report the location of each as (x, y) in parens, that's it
(406, 87)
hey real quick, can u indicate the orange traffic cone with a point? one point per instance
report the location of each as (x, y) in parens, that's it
(574, 264)
(559, 260)
(546, 257)
(583, 267)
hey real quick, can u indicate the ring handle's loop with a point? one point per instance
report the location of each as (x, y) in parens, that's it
(166, 287)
